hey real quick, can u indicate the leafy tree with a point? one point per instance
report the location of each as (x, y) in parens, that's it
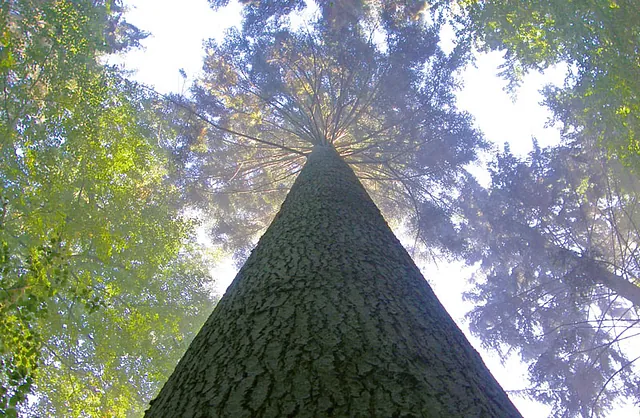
(556, 236)
(598, 39)
(94, 244)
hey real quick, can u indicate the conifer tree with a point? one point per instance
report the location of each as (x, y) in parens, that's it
(329, 316)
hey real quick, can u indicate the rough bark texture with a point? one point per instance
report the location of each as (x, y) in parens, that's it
(330, 317)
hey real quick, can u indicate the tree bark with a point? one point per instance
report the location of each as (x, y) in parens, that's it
(329, 316)
(599, 273)
(620, 286)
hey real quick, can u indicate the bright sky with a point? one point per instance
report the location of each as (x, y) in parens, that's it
(178, 29)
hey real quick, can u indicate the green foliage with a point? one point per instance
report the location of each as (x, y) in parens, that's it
(556, 237)
(112, 361)
(598, 39)
(91, 231)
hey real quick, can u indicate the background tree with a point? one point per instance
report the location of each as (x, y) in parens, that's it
(597, 39)
(91, 230)
(567, 214)
(556, 236)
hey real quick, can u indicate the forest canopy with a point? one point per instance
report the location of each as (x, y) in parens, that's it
(105, 183)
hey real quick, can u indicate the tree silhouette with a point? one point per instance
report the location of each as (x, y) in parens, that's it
(556, 237)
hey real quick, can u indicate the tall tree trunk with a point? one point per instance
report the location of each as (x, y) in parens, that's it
(329, 316)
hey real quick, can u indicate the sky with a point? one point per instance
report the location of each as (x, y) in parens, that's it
(177, 32)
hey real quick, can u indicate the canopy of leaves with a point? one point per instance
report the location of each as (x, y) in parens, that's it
(599, 41)
(557, 239)
(96, 272)
(334, 14)
(382, 96)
